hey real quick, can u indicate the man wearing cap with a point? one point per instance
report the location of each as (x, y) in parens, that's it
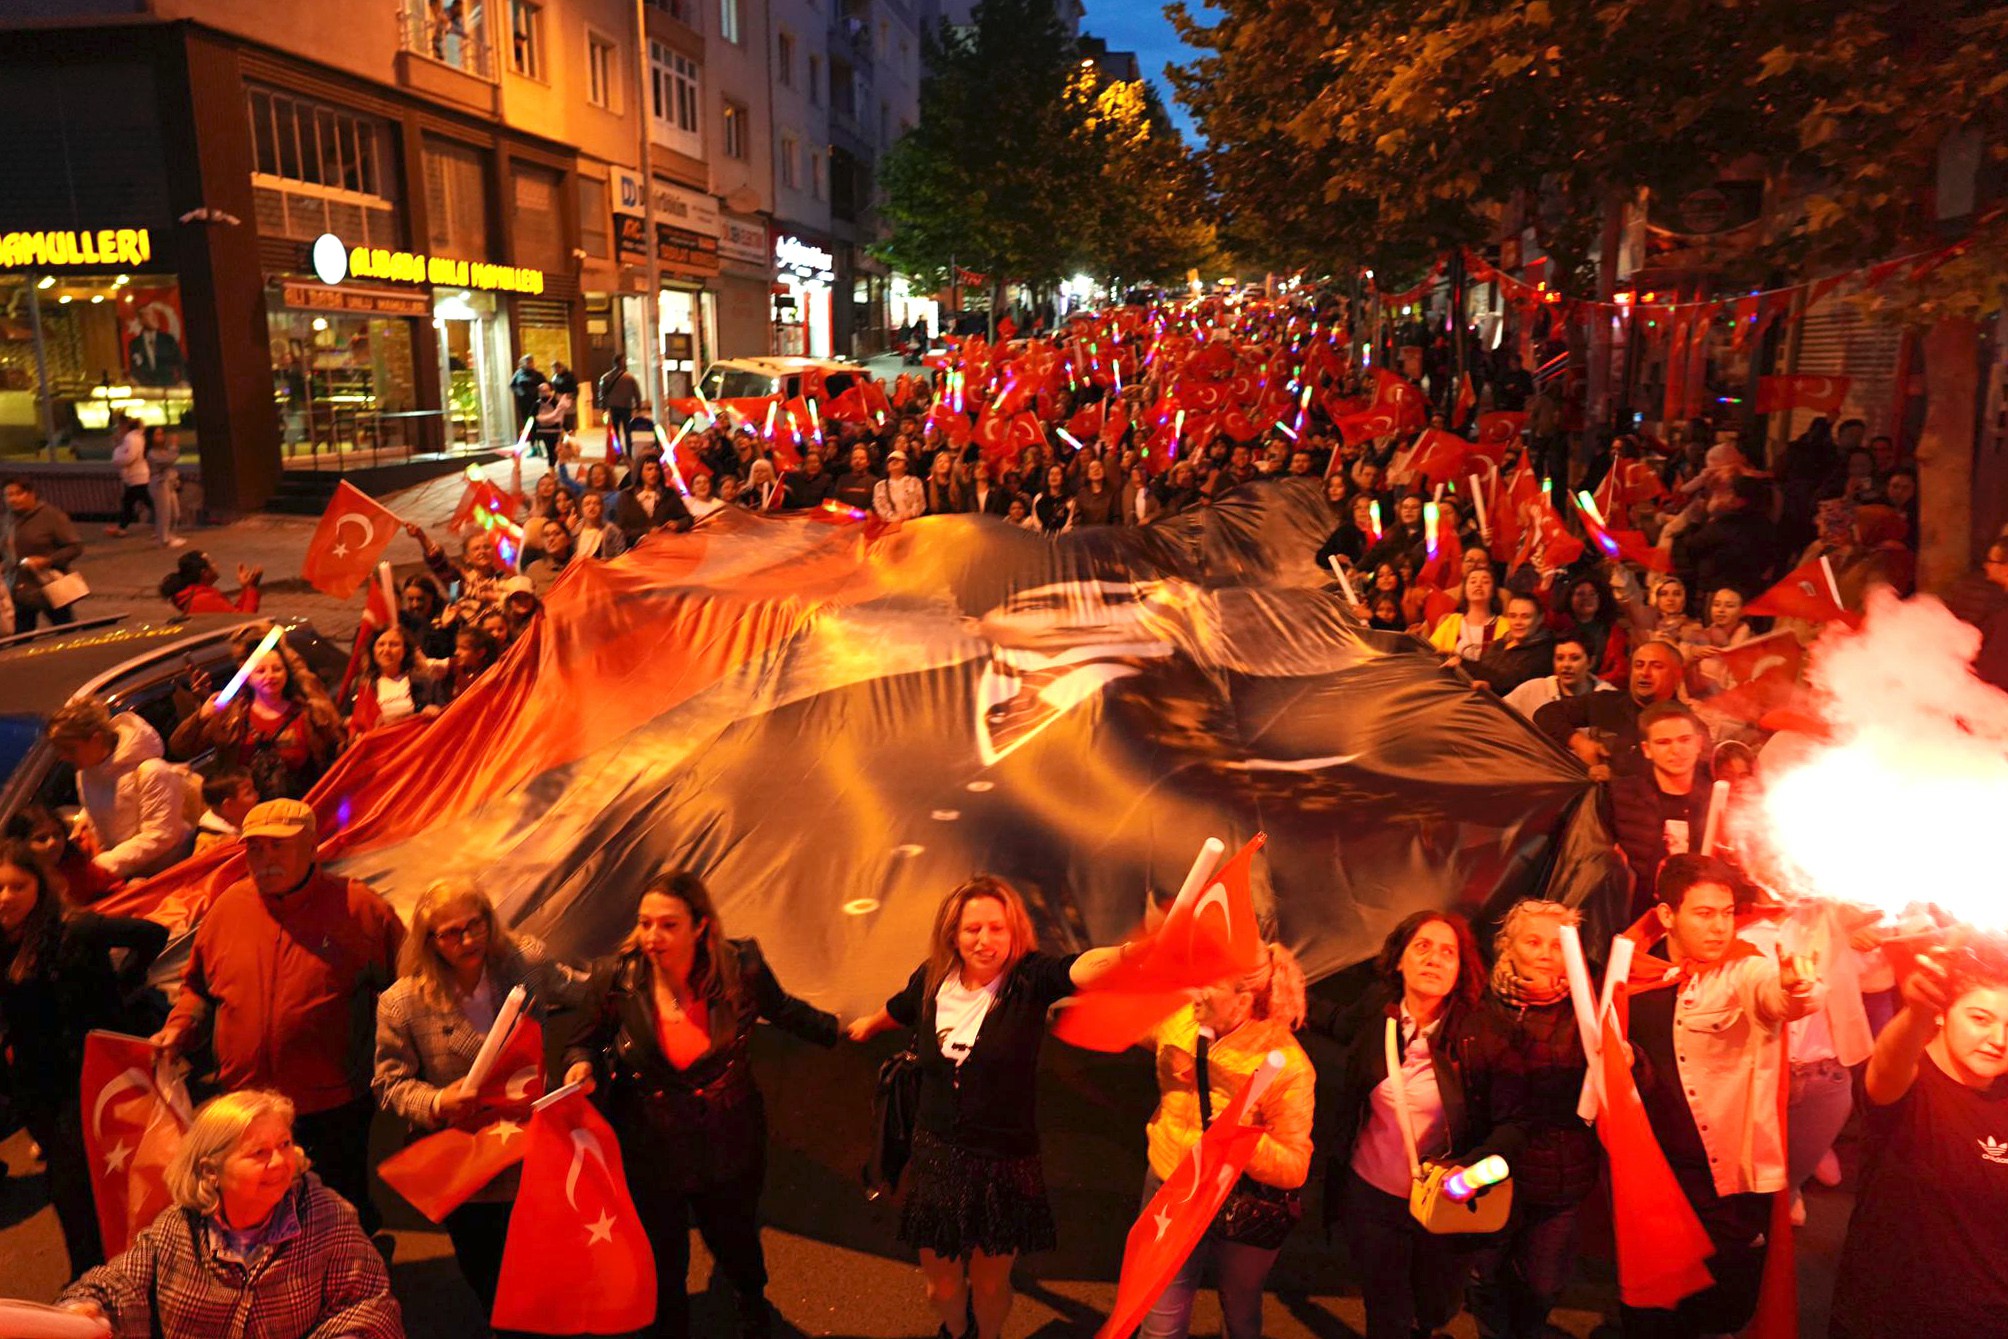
(899, 496)
(285, 973)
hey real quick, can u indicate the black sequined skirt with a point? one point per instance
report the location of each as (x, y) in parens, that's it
(958, 1202)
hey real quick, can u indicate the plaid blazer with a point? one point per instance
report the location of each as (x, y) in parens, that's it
(421, 1049)
(328, 1282)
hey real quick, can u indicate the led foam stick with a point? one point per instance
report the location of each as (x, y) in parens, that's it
(1589, 506)
(1478, 504)
(1116, 366)
(1711, 829)
(1430, 512)
(773, 408)
(1594, 524)
(1287, 429)
(815, 423)
(1070, 439)
(236, 684)
(1373, 518)
(1345, 582)
(1462, 1184)
(1177, 431)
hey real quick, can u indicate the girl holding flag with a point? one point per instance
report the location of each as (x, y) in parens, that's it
(976, 1192)
(457, 966)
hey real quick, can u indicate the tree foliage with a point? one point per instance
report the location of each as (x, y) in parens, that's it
(1375, 132)
(1025, 164)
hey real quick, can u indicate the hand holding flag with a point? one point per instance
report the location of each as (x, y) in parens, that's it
(442, 1171)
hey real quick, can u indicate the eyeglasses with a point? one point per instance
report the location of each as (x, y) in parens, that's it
(459, 934)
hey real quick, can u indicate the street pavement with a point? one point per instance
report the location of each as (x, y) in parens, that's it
(836, 1266)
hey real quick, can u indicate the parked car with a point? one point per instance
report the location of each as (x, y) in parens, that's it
(134, 663)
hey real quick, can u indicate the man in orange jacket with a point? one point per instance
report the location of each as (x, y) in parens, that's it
(285, 973)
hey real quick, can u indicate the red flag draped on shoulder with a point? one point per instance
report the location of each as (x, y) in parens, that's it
(352, 535)
(1205, 939)
(1662, 1247)
(133, 1119)
(576, 1261)
(442, 1171)
(1179, 1214)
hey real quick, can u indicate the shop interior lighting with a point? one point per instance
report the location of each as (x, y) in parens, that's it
(48, 282)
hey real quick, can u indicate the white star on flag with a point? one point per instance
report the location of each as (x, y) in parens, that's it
(115, 1157)
(603, 1230)
(1163, 1220)
(505, 1130)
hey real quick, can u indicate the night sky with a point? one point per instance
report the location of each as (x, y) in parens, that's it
(1140, 26)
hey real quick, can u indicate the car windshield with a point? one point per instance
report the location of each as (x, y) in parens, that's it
(723, 383)
(17, 736)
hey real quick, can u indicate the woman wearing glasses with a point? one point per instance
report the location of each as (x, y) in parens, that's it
(457, 967)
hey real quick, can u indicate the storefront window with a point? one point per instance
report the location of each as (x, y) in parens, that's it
(474, 368)
(76, 350)
(335, 378)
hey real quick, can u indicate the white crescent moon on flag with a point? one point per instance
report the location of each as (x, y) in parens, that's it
(134, 1078)
(519, 1083)
(1214, 896)
(369, 530)
(1763, 667)
(1198, 1168)
(584, 1142)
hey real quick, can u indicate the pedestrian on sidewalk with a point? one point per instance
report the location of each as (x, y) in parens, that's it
(44, 543)
(129, 458)
(163, 454)
(619, 395)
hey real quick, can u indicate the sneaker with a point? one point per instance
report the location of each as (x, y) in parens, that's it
(1798, 1209)
(1828, 1173)
(115, 531)
(177, 542)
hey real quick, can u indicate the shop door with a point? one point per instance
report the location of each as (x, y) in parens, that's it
(474, 378)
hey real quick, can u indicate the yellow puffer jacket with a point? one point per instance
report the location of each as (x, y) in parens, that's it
(1283, 1158)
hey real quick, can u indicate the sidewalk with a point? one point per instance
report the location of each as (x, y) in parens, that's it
(125, 574)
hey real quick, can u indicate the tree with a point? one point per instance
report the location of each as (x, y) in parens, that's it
(1144, 215)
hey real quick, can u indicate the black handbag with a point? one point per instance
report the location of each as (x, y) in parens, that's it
(1255, 1214)
(895, 1105)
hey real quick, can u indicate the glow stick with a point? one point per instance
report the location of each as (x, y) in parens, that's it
(389, 591)
(1070, 439)
(1577, 969)
(491, 1045)
(1345, 582)
(1202, 869)
(1117, 367)
(1373, 517)
(1430, 512)
(669, 459)
(1438, 496)
(1833, 587)
(815, 423)
(1177, 430)
(773, 408)
(1287, 429)
(236, 684)
(1478, 505)
(1711, 828)
(1462, 1184)
(1589, 506)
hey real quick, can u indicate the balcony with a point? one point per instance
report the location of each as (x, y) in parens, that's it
(446, 53)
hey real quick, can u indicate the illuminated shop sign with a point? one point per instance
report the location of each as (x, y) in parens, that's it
(105, 246)
(807, 264)
(375, 262)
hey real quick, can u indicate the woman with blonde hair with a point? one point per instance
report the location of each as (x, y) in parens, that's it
(1205, 1053)
(254, 1243)
(670, 1033)
(976, 1193)
(457, 966)
(282, 728)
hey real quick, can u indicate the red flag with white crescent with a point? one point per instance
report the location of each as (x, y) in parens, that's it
(1202, 942)
(1184, 1206)
(352, 535)
(576, 1260)
(1824, 395)
(1804, 593)
(133, 1117)
(442, 1171)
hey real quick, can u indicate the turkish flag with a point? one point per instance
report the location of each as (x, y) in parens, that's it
(134, 1116)
(576, 1260)
(1500, 428)
(1191, 949)
(440, 1172)
(877, 405)
(1359, 428)
(1087, 422)
(1399, 397)
(1467, 400)
(1822, 394)
(1436, 456)
(1115, 422)
(1662, 1247)
(352, 535)
(1751, 680)
(1804, 593)
(1547, 543)
(1184, 1206)
(478, 496)
(1007, 329)
(846, 408)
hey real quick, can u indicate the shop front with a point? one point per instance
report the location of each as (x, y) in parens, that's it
(804, 276)
(745, 286)
(687, 227)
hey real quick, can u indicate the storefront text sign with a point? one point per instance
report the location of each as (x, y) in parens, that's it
(798, 260)
(105, 246)
(408, 267)
(356, 298)
(692, 211)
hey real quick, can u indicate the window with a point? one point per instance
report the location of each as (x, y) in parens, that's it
(728, 20)
(816, 174)
(456, 199)
(815, 81)
(680, 10)
(318, 168)
(673, 94)
(602, 70)
(734, 125)
(790, 176)
(453, 34)
(784, 60)
(526, 38)
(539, 228)
(595, 238)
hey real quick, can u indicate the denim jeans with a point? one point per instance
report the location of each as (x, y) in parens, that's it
(1518, 1277)
(1239, 1273)
(1822, 1098)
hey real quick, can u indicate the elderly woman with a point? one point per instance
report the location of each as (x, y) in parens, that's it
(254, 1245)
(457, 966)
(976, 1190)
(1205, 1053)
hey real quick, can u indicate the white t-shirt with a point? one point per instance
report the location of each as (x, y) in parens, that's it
(959, 1013)
(393, 699)
(700, 508)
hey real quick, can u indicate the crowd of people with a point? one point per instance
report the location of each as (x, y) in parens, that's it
(1756, 1027)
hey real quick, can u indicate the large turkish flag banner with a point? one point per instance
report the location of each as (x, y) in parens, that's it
(353, 533)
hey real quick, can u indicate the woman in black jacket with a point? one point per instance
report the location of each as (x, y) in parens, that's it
(1430, 979)
(976, 1193)
(1528, 1031)
(670, 1036)
(57, 982)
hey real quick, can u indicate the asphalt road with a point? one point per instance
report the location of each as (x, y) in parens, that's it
(837, 1269)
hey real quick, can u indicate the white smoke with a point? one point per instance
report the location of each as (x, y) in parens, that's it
(1907, 800)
